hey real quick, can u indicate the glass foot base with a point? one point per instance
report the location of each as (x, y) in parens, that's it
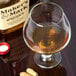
(51, 62)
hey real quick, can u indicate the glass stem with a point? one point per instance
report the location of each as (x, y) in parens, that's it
(46, 57)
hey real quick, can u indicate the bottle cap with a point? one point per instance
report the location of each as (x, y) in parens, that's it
(4, 48)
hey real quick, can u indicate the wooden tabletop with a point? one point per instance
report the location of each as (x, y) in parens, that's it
(18, 48)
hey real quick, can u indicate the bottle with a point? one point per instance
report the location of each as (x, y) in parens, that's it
(13, 13)
(13, 35)
(18, 51)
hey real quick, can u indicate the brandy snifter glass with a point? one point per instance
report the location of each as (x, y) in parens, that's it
(47, 33)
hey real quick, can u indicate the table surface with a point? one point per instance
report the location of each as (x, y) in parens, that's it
(67, 67)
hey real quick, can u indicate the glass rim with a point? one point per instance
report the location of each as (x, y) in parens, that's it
(48, 3)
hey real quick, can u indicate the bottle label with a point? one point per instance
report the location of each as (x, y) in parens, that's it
(13, 15)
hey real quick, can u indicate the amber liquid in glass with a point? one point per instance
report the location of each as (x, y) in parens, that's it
(48, 38)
